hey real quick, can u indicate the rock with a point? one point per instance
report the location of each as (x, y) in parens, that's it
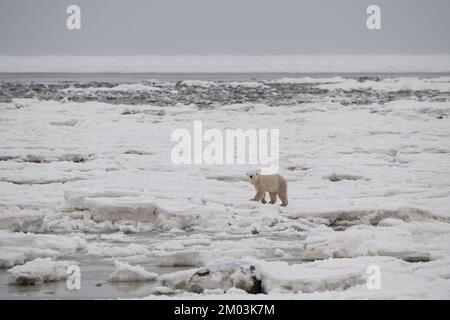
(226, 274)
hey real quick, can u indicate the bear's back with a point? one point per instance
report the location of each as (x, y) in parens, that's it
(270, 183)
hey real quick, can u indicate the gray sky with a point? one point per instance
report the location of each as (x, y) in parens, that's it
(118, 27)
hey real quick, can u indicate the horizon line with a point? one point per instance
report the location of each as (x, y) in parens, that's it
(326, 63)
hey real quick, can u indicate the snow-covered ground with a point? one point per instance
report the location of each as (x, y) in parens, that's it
(367, 163)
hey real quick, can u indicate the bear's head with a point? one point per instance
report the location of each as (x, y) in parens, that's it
(253, 176)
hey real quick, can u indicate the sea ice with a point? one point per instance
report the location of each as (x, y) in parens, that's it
(38, 271)
(125, 272)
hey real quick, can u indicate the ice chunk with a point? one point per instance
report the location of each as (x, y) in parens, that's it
(202, 257)
(115, 237)
(124, 272)
(109, 250)
(38, 271)
(17, 248)
(141, 209)
(10, 258)
(180, 258)
(76, 197)
(306, 278)
(162, 290)
(372, 216)
(363, 241)
(15, 219)
(177, 280)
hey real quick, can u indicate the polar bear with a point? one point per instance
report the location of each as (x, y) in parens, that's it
(273, 183)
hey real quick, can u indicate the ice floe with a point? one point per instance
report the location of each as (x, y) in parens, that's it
(125, 272)
(18, 247)
(38, 271)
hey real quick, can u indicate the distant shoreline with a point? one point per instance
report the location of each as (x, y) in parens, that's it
(303, 65)
(117, 77)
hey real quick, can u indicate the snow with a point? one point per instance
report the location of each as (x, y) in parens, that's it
(125, 272)
(38, 271)
(367, 162)
(217, 63)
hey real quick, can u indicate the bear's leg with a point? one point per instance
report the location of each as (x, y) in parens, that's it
(273, 197)
(260, 196)
(263, 200)
(283, 198)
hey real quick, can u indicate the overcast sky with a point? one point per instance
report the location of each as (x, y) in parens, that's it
(118, 27)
